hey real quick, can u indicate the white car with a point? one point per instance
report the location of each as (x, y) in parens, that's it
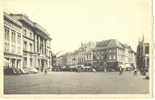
(93, 70)
(30, 70)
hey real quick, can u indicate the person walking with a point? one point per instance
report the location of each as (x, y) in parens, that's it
(45, 72)
(135, 72)
(120, 70)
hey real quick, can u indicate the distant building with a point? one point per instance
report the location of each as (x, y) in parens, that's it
(53, 62)
(104, 55)
(60, 63)
(108, 54)
(82, 56)
(142, 56)
(72, 58)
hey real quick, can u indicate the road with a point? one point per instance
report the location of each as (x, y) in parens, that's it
(76, 83)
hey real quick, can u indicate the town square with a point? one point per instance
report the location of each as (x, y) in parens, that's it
(77, 83)
(77, 47)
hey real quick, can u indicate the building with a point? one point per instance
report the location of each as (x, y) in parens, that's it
(104, 55)
(28, 39)
(42, 48)
(49, 54)
(53, 62)
(82, 56)
(108, 54)
(142, 56)
(31, 39)
(72, 58)
(59, 64)
(13, 42)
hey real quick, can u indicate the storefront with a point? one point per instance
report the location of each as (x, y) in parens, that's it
(13, 61)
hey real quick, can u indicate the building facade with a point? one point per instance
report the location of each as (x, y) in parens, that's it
(142, 56)
(53, 62)
(109, 54)
(13, 42)
(82, 56)
(42, 48)
(28, 39)
(104, 55)
(33, 42)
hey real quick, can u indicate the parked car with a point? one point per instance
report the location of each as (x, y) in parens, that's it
(94, 70)
(12, 71)
(29, 70)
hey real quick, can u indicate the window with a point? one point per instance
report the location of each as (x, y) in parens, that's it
(31, 47)
(30, 34)
(147, 62)
(7, 34)
(41, 46)
(25, 45)
(25, 32)
(37, 44)
(13, 37)
(6, 46)
(19, 38)
(25, 62)
(147, 50)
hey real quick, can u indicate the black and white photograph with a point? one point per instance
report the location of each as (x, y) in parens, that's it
(77, 47)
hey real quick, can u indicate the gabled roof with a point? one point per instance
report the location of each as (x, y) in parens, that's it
(112, 43)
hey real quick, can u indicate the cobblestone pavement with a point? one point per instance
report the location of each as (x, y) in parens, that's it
(76, 83)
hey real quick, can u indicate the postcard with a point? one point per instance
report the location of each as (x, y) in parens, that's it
(76, 49)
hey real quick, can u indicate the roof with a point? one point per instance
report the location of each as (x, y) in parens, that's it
(36, 26)
(22, 17)
(40, 28)
(112, 43)
(14, 21)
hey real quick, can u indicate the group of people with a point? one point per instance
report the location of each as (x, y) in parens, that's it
(122, 69)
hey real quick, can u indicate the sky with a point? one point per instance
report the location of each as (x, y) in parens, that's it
(70, 22)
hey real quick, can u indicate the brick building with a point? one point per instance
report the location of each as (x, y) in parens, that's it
(108, 54)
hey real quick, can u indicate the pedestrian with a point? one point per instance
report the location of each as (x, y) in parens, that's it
(135, 72)
(45, 71)
(120, 70)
